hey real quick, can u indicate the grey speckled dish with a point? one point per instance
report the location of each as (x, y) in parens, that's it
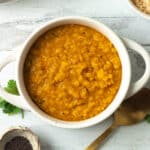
(19, 131)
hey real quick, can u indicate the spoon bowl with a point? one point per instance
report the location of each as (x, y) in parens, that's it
(132, 111)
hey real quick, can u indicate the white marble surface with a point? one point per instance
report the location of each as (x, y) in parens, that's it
(18, 20)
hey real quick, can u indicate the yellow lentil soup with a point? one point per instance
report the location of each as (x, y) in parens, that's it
(72, 72)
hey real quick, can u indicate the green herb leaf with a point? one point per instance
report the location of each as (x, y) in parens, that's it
(12, 87)
(10, 109)
(148, 118)
(7, 107)
(2, 102)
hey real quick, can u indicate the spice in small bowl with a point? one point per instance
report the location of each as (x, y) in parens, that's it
(18, 143)
(19, 138)
(143, 5)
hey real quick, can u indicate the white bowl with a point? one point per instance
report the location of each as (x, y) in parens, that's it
(127, 88)
(137, 10)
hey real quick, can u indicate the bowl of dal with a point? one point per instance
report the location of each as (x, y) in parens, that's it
(74, 72)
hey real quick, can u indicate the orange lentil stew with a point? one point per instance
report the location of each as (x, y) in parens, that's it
(72, 72)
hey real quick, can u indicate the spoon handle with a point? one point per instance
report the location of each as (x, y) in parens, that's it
(95, 144)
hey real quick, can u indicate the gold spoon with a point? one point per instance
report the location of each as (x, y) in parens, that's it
(132, 111)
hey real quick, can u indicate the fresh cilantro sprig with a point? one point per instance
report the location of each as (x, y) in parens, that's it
(12, 87)
(6, 107)
(148, 118)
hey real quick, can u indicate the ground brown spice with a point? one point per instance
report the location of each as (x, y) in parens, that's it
(18, 143)
(143, 5)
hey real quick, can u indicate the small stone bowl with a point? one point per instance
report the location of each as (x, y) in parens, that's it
(19, 131)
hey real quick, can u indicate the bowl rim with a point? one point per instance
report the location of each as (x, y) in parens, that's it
(137, 10)
(121, 94)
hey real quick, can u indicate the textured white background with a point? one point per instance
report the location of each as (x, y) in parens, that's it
(18, 20)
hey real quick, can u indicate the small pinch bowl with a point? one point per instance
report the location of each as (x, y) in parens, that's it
(12, 132)
(138, 11)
